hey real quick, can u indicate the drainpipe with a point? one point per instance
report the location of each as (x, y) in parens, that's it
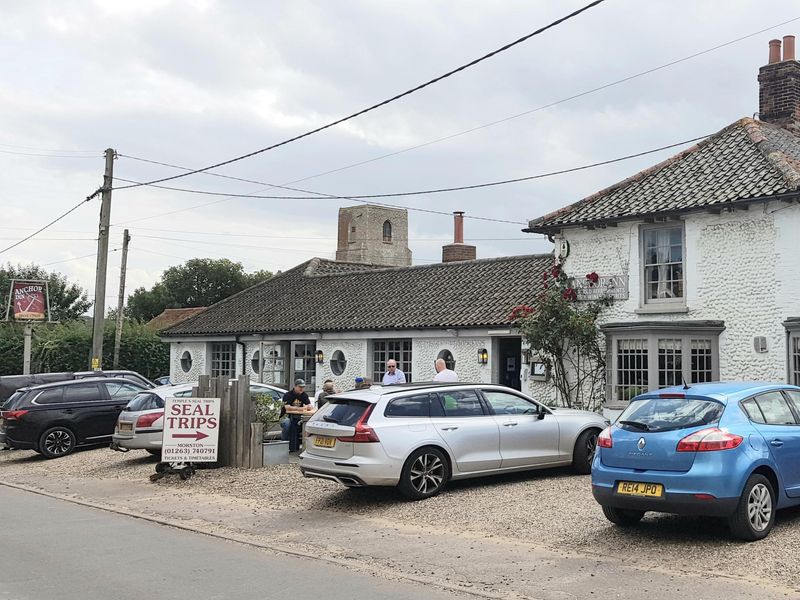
(244, 355)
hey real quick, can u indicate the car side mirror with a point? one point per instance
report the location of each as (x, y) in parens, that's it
(542, 413)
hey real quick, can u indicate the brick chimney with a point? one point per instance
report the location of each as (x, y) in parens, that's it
(779, 85)
(458, 250)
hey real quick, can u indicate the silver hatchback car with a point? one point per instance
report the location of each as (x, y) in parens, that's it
(419, 436)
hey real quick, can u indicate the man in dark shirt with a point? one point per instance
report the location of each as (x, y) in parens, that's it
(295, 403)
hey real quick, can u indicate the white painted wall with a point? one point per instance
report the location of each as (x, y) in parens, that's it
(355, 353)
(465, 353)
(198, 353)
(742, 267)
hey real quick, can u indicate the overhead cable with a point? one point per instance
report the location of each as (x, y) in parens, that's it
(379, 104)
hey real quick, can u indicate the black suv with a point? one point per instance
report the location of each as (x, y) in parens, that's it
(54, 418)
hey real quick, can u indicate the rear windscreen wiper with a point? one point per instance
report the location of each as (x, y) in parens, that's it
(636, 424)
(330, 419)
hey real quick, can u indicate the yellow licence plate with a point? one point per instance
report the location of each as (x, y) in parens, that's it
(324, 441)
(637, 488)
(126, 426)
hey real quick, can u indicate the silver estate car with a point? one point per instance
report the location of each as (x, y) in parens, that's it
(419, 436)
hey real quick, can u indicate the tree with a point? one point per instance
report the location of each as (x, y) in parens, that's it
(564, 332)
(198, 282)
(68, 301)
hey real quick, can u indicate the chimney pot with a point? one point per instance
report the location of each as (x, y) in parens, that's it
(788, 47)
(774, 51)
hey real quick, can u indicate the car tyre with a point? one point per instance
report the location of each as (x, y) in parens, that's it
(56, 442)
(755, 514)
(425, 473)
(583, 453)
(623, 516)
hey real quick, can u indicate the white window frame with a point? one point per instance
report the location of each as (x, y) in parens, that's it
(644, 301)
(403, 356)
(222, 354)
(792, 351)
(652, 335)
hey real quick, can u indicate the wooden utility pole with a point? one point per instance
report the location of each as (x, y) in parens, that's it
(98, 321)
(121, 300)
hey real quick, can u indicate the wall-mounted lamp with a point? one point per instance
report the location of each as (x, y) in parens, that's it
(320, 356)
(526, 356)
(483, 356)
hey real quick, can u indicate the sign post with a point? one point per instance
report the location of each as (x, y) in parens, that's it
(191, 429)
(28, 301)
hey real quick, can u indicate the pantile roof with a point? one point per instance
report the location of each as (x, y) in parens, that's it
(747, 160)
(322, 295)
(172, 316)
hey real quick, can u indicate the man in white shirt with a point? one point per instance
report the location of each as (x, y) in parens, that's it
(443, 373)
(393, 375)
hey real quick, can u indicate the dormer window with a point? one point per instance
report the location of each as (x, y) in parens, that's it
(387, 231)
(662, 265)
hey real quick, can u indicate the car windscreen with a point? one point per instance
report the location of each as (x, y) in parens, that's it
(145, 401)
(344, 411)
(663, 414)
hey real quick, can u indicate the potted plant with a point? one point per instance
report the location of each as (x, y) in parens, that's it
(268, 412)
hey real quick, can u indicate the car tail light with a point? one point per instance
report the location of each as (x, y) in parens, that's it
(148, 419)
(364, 433)
(13, 415)
(604, 439)
(709, 440)
(672, 395)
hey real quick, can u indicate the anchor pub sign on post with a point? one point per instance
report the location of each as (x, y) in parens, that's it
(28, 300)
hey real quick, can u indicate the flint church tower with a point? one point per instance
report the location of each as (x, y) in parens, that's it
(374, 235)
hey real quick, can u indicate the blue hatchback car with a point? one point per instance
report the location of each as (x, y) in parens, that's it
(727, 450)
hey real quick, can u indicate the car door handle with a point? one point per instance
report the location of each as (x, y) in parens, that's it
(776, 443)
(449, 428)
(69, 411)
(510, 424)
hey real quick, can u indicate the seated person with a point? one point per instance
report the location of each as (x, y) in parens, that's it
(296, 403)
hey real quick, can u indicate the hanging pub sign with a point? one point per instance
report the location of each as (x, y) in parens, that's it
(28, 301)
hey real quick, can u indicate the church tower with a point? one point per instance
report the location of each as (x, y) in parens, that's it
(374, 235)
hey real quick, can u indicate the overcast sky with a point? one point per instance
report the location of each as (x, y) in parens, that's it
(196, 82)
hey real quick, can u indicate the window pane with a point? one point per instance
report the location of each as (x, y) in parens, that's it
(752, 410)
(274, 365)
(223, 359)
(145, 401)
(794, 396)
(124, 391)
(411, 406)
(795, 359)
(463, 403)
(775, 409)
(701, 356)
(631, 368)
(670, 363)
(663, 263)
(383, 350)
(52, 396)
(88, 392)
(509, 404)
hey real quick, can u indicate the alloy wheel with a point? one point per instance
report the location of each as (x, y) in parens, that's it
(58, 442)
(591, 447)
(759, 507)
(427, 473)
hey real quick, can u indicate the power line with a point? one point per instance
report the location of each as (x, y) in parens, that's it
(56, 262)
(56, 220)
(44, 155)
(479, 127)
(46, 149)
(382, 103)
(360, 197)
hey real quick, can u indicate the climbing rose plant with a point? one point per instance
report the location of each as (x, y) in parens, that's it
(564, 333)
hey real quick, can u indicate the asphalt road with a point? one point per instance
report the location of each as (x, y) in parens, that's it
(55, 549)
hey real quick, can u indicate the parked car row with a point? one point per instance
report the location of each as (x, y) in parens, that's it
(729, 450)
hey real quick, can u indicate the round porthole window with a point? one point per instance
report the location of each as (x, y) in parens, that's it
(448, 358)
(186, 361)
(338, 362)
(256, 362)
